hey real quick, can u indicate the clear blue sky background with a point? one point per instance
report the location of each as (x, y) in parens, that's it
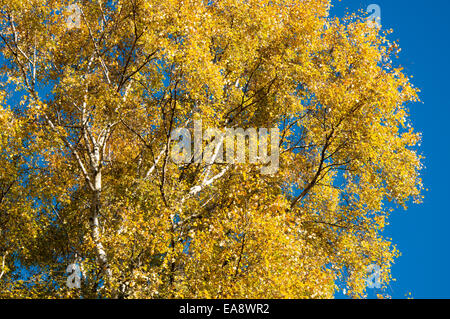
(422, 232)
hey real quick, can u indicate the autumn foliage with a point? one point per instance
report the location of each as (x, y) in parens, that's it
(85, 170)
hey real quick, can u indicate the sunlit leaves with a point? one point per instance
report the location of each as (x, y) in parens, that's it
(85, 148)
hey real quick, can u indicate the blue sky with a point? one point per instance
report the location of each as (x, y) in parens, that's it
(422, 232)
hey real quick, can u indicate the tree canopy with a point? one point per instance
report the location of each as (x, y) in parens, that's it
(87, 111)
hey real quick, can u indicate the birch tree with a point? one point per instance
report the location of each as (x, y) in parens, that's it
(86, 175)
